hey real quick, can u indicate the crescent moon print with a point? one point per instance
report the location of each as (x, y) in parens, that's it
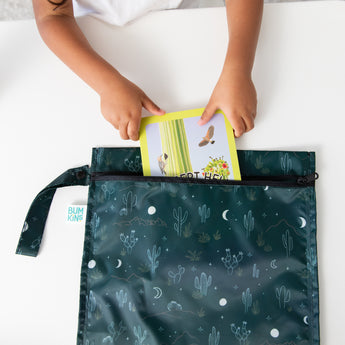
(273, 264)
(305, 319)
(224, 214)
(303, 222)
(158, 291)
(119, 263)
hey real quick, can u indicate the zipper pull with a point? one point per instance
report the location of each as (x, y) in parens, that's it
(307, 179)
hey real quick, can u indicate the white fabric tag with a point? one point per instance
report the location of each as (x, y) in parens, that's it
(76, 214)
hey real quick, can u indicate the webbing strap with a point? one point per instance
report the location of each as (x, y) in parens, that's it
(33, 228)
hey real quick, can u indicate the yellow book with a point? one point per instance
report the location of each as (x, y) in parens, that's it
(175, 145)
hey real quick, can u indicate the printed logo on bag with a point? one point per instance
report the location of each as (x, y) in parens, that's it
(76, 213)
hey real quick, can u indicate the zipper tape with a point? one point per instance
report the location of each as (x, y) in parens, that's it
(274, 181)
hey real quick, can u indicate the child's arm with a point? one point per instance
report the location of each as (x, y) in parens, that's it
(235, 92)
(121, 100)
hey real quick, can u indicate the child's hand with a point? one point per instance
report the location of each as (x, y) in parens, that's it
(235, 95)
(121, 105)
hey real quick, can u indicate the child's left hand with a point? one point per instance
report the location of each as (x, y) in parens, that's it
(235, 95)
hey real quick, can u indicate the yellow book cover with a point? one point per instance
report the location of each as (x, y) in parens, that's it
(175, 145)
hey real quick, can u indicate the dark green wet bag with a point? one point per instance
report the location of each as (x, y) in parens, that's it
(194, 261)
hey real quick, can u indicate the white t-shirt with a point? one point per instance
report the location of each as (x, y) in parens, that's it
(120, 12)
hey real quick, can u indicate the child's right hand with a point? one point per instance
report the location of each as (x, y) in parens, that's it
(121, 105)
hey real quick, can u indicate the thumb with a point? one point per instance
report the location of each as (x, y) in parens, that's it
(152, 107)
(209, 111)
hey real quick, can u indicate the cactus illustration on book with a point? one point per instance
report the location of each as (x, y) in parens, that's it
(247, 299)
(248, 222)
(140, 335)
(214, 337)
(175, 146)
(217, 167)
(203, 283)
(129, 241)
(287, 242)
(180, 220)
(204, 213)
(121, 297)
(283, 295)
(176, 277)
(153, 258)
(130, 201)
(241, 333)
(231, 262)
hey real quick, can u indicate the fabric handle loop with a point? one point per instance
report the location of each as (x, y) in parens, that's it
(33, 228)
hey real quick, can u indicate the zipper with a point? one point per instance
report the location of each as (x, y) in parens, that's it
(274, 181)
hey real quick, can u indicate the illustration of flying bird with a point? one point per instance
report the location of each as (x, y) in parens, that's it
(162, 162)
(207, 138)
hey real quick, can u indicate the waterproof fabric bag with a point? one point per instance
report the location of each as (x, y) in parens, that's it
(194, 261)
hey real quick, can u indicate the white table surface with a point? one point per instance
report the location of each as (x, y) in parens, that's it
(50, 120)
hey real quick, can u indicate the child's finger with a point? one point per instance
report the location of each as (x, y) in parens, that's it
(249, 122)
(123, 131)
(209, 111)
(238, 125)
(152, 107)
(133, 130)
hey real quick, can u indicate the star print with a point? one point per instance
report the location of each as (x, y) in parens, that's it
(235, 287)
(239, 203)
(222, 317)
(200, 329)
(298, 337)
(164, 238)
(193, 269)
(250, 254)
(268, 318)
(302, 305)
(184, 197)
(264, 215)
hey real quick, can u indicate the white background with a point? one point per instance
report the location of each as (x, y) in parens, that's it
(50, 120)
